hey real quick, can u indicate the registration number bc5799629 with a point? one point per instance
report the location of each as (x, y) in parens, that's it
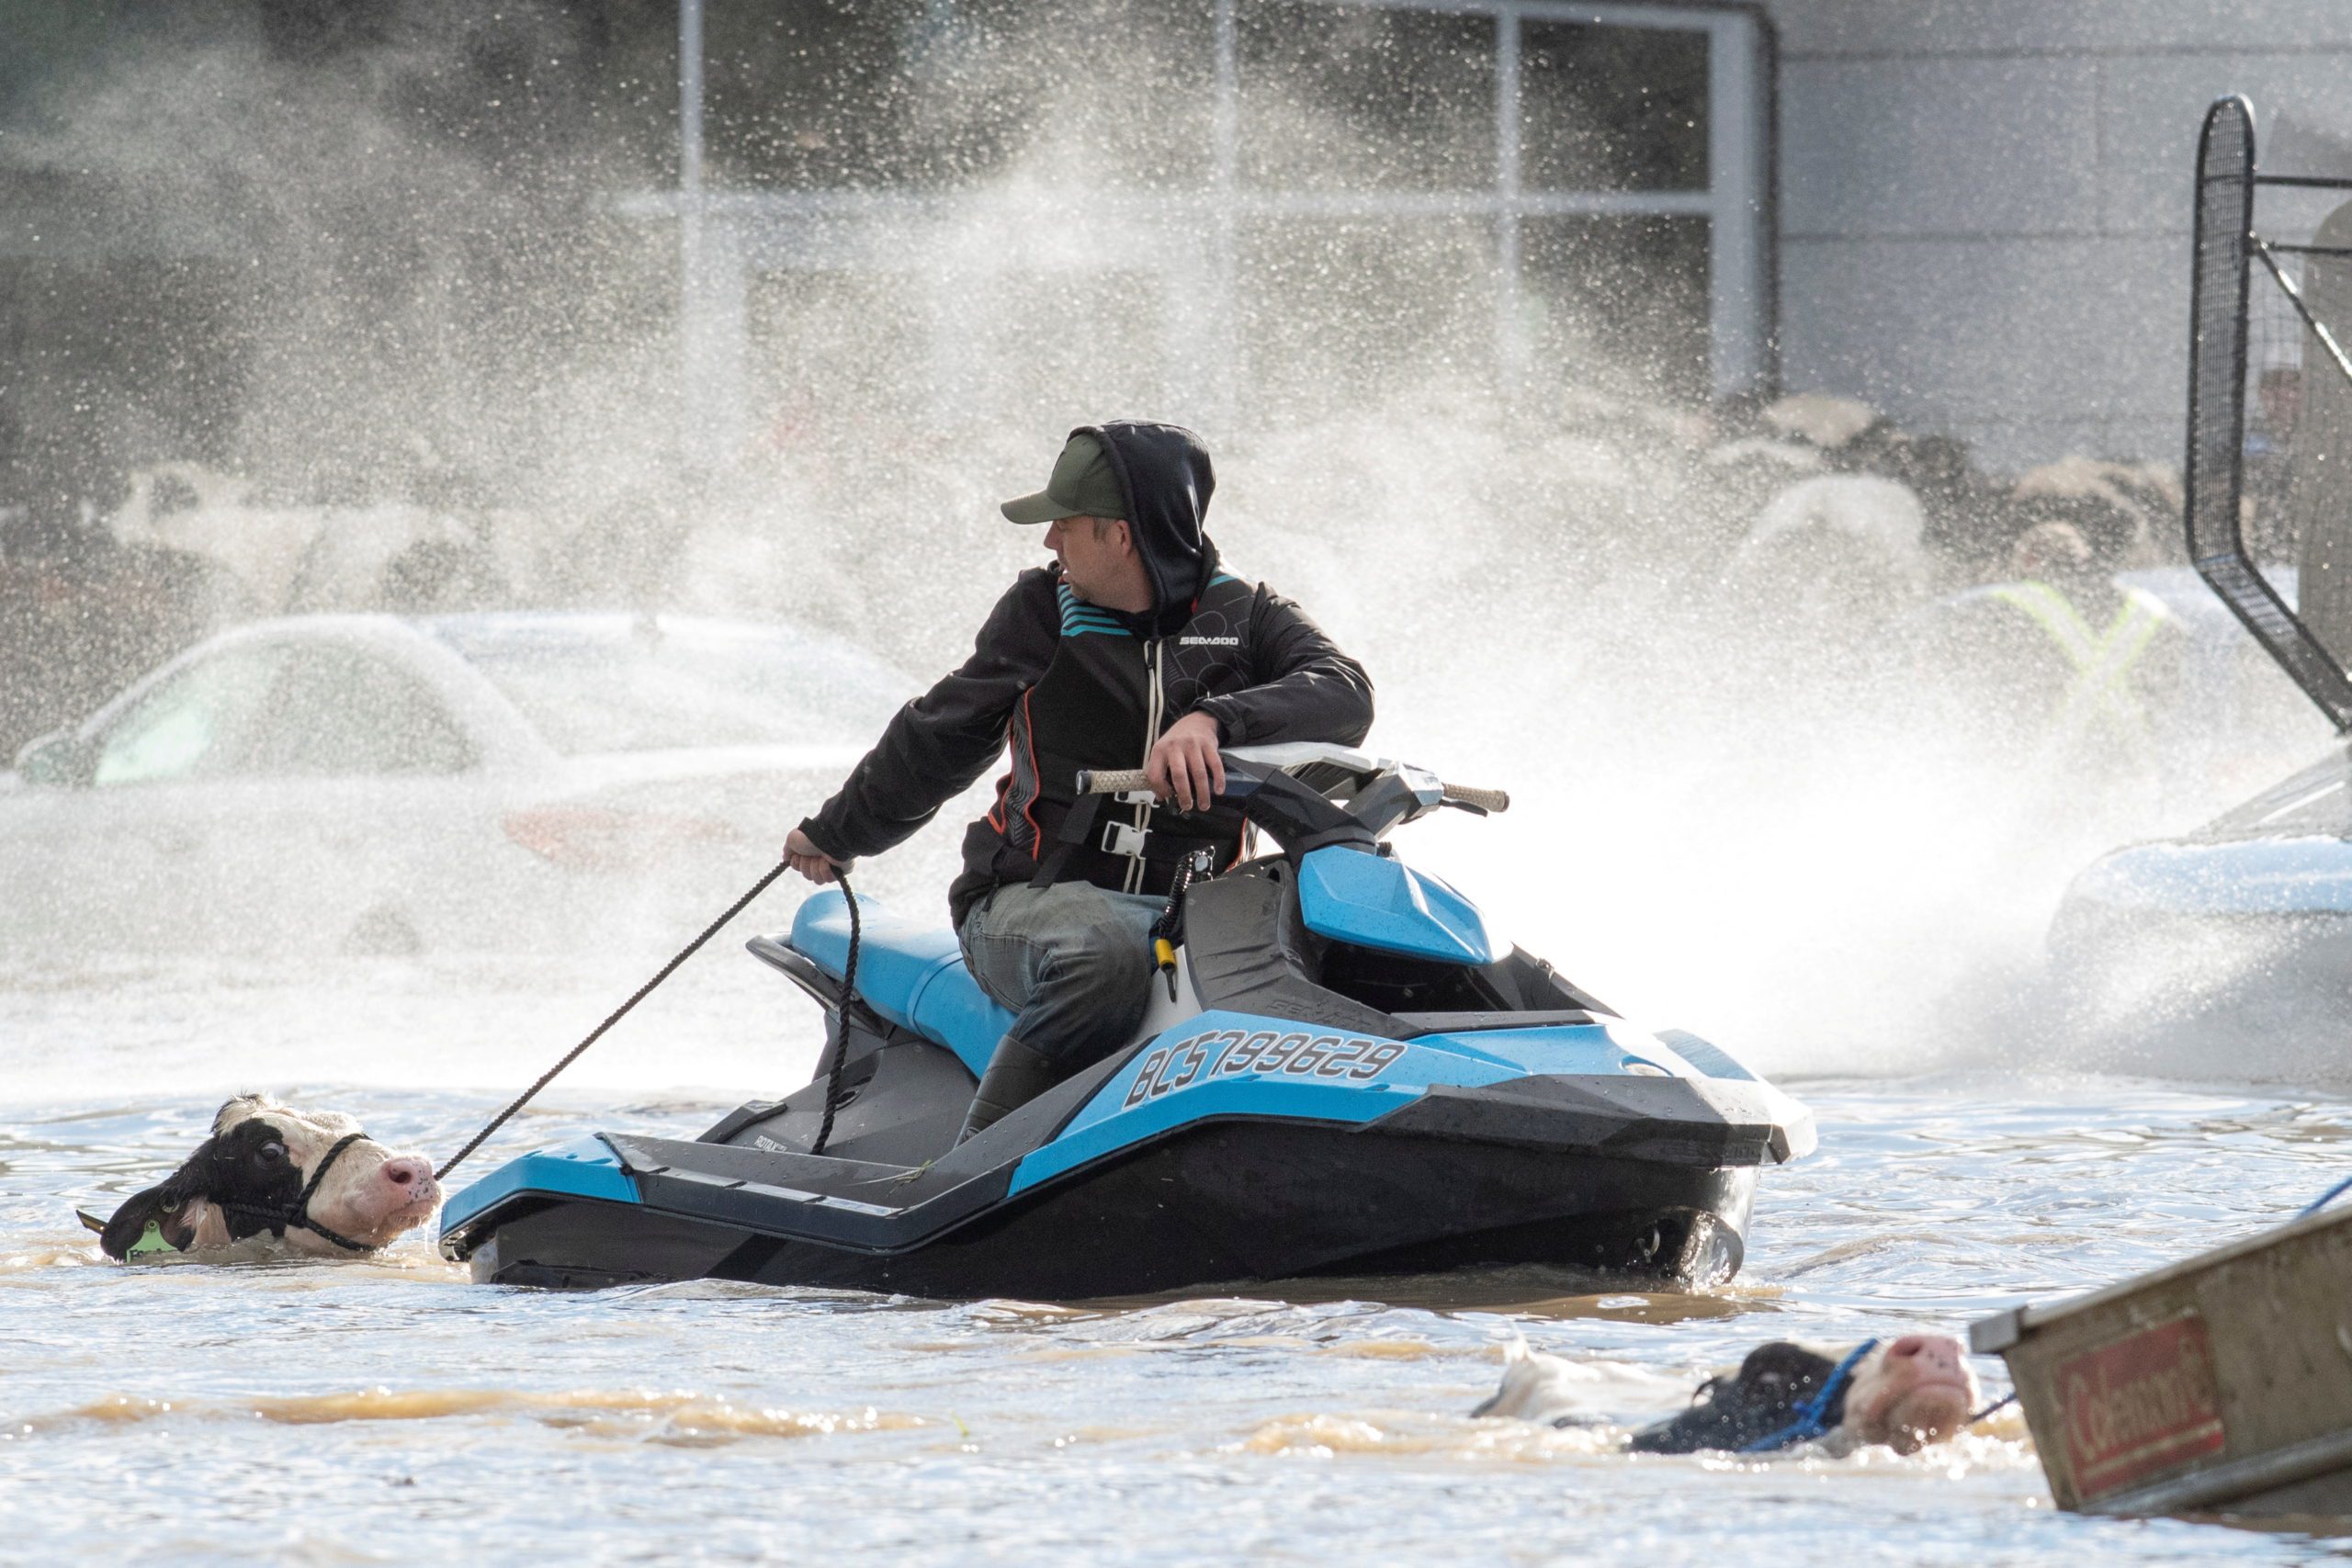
(1265, 1052)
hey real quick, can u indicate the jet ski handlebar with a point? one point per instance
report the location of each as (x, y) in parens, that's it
(1112, 780)
(1489, 800)
(1131, 781)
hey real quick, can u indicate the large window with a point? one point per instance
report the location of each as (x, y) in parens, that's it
(1613, 108)
(1257, 205)
(1336, 97)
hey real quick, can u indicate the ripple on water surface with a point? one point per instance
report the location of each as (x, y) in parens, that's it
(372, 1411)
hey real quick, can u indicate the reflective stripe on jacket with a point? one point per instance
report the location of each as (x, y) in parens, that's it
(2103, 662)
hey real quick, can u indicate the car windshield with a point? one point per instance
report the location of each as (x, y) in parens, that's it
(199, 723)
(616, 685)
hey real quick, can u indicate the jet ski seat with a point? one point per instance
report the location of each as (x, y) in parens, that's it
(912, 974)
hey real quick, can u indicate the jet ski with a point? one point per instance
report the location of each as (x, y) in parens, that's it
(1345, 1070)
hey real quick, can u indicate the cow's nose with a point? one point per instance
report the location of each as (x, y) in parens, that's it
(1940, 1350)
(406, 1172)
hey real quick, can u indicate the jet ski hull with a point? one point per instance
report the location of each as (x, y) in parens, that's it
(1230, 1201)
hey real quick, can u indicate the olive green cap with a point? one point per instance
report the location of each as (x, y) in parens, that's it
(1083, 484)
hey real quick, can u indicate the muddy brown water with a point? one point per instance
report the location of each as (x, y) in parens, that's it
(391, 1411)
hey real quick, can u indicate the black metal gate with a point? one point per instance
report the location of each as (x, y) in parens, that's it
(2279, 552)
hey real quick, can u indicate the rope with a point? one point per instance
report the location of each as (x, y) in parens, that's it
(1169, 928)
(841, 1026)
(620, 1012)
(2325, 1198)
(2011, 1398)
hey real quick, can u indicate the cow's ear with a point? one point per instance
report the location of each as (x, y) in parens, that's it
(1783, 1365)
(158, 1206)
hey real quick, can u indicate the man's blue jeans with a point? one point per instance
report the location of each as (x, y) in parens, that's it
(1073, 960)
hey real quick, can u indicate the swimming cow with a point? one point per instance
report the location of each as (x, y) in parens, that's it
(313, 1180)
(1904, 1393)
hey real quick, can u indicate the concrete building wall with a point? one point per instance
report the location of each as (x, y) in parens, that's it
(1985, 203)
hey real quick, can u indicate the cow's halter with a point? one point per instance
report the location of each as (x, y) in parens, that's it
(1812, 1416)
(298, 1212)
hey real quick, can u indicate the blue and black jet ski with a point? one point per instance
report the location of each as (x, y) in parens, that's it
(1344, 1071)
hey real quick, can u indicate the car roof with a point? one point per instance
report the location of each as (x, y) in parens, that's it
(464, 633)
(499, 732)
(486, 630)
(441, 648)
(490, 624)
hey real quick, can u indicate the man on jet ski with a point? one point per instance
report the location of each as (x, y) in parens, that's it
(1133, 647)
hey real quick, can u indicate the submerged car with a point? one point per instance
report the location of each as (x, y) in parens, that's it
(390, 783)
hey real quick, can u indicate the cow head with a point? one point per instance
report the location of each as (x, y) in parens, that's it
(1911, 1392)
(246, 1178)
(1907, 1393)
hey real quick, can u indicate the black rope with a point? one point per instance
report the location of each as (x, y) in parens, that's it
(1998, 1404)
(1170, 927)
(840, 1024)
(597, 1033)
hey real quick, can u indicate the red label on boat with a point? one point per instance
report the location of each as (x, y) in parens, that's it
(2140, 1405)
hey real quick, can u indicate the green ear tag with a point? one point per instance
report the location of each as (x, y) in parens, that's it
(151, 1240)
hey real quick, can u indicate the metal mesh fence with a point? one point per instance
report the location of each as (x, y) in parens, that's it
(2269, 514)
(2299, 437)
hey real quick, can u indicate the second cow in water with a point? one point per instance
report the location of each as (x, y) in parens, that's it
(1906, 1392)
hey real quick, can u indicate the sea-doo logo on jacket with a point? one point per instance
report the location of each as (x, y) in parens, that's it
(1106, 695)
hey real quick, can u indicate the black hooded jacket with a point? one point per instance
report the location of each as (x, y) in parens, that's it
(1164, 472)
(1072, 685)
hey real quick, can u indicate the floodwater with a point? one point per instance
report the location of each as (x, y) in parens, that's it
(393, 1410)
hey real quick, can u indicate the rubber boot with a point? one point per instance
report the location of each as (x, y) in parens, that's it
(1016, 1076)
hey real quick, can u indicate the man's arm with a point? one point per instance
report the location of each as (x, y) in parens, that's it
(939, 743)
(1309, 690)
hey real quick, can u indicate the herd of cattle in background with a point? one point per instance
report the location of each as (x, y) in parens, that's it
(1829, 507)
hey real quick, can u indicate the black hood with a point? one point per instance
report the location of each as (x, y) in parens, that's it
(1166, 474)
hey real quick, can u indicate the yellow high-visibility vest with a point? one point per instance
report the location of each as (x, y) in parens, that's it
(2103, 662)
